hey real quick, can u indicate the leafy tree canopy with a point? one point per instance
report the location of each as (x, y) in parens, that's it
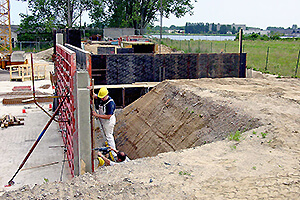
(139, 13)
(32, 29)
(57, 12)
(112, 13)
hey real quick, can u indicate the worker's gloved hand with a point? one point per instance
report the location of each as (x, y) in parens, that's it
(94, 113)
(99, 154)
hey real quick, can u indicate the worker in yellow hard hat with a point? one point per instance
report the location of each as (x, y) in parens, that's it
(107, 116)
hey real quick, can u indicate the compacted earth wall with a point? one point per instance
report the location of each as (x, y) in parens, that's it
(170, 118)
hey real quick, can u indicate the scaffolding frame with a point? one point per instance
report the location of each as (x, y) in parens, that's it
(5, 31)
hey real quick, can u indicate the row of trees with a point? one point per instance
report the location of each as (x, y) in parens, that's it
(49, 14)
(201, 28)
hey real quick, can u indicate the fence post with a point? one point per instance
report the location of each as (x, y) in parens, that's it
(189, 46)
(297, 64)
(267, 59)
(20, 46)
(241, 46)
(211, 47)
(199, 46)
(225, 47)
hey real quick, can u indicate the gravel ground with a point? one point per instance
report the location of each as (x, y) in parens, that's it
(264, 164)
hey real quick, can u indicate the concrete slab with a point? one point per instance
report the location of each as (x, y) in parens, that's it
(46, 161)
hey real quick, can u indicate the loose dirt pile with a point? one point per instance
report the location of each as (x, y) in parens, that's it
(92, 48)
(45, 55)
(263, 163)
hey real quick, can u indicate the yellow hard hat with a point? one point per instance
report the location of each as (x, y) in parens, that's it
(101, 162)
(102, 92)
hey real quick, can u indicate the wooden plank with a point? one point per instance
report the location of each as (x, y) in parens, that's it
(134, 85)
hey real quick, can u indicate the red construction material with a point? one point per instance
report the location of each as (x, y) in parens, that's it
(65, 68)
(21, 88)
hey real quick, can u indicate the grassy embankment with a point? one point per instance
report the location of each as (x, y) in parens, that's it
(282, 59)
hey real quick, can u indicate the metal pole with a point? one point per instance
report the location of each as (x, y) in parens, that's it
(69, 15)
(93, 125)
(161, 13)
(241, 46)
(267, 59)
(297, 64)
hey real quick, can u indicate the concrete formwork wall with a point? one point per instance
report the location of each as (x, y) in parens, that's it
(130, 68)
(75, 124)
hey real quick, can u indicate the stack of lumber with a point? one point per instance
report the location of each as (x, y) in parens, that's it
(10, 120)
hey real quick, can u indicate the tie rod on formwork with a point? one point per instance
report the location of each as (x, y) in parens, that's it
(33, 92)
(11, 182)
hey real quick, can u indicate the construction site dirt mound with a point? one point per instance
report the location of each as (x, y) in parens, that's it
(161, 49)
(45, 55)
(178, 115)
(258, 160)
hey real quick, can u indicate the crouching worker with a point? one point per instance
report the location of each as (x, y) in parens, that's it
(121, 158)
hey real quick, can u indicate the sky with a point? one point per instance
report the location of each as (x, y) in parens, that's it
(254, 13)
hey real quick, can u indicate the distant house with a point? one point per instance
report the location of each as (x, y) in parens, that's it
(14, 32)
(250, 31)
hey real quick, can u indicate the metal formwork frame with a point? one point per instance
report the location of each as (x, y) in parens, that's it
(65, 68)
(5, 28)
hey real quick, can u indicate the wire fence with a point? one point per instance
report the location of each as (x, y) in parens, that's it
(281, 59)
(31, 46)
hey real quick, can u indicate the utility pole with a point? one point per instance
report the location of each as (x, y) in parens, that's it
(161, 15)
(69, 15)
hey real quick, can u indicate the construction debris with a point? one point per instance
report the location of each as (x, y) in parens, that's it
(10, 120)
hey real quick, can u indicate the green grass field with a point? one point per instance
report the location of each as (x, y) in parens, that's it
(282, 59)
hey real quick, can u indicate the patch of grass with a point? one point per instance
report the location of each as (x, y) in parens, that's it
(254, 168)
(184, 173)
(46, 180)
(233, 147)
(235, 136)
(264, 134)
(254, 132)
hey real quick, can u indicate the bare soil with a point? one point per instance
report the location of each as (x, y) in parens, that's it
(262, 164)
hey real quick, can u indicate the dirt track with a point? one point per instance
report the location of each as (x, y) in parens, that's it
(255, 167)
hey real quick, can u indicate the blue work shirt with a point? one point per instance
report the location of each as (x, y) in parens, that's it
(109, 106)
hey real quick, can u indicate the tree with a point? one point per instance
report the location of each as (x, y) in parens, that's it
(139, 13)
(62, 12)
(223, 29)
(214, 28)
(32, 28)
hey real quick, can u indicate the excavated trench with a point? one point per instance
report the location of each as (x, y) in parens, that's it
(170, 118)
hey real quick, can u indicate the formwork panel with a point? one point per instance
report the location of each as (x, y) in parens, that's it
(130, 68)
(143, 67)
(99, 72)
